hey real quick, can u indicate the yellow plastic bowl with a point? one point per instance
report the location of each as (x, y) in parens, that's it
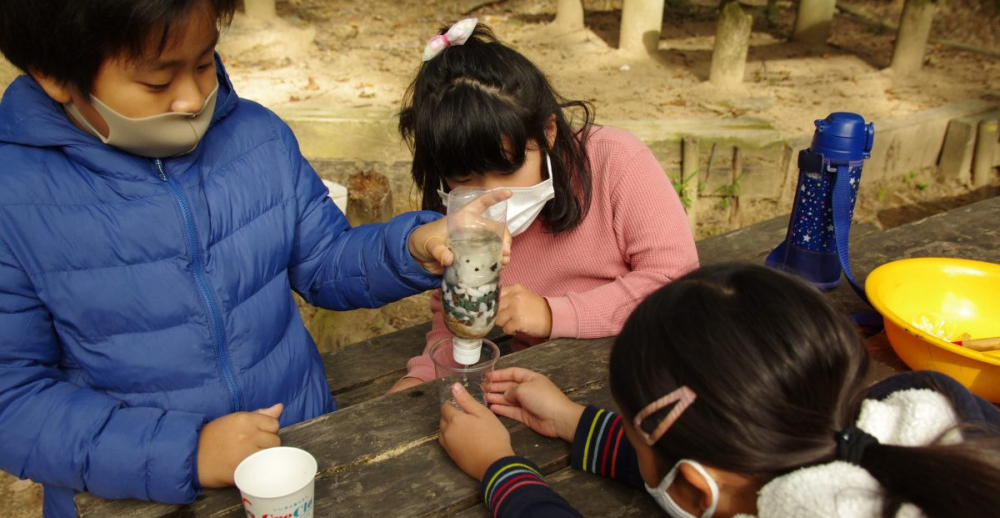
(928, 302)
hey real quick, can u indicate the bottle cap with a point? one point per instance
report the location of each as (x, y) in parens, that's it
(466, 351)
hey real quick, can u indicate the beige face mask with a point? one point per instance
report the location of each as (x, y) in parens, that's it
(160, 136)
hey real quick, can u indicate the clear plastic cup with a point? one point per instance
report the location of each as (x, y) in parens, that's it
(473, 377)
(470, 287)
(277, 482)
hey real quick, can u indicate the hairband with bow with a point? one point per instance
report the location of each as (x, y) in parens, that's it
(457, 34)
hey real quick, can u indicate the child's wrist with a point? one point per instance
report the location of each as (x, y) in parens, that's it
(567, 425)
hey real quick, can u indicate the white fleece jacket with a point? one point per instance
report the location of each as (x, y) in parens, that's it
(914, 417)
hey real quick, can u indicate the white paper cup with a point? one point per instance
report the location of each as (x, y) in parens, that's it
(277, 482)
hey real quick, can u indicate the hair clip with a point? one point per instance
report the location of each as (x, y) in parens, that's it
(683, 396)
(457, 34)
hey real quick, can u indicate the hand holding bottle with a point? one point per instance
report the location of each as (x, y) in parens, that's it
(473, 437)
(427, 243)
(533, 399)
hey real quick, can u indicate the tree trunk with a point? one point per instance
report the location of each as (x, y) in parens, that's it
(812, 24)
(569, 15)
(260, 9)
(640, 27)
(982, 160)
(369, 198)
(732, 41)
(911, 39)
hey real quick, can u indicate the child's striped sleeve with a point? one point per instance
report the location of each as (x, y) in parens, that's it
(601, 447)
(514, 487)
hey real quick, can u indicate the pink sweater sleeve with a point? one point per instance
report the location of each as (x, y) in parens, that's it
(421, 367)
(653, 234)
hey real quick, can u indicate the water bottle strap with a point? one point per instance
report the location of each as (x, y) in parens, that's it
(842, 207)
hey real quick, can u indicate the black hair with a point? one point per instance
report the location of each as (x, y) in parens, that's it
(69, 40)
(465, 103)
(777, 371)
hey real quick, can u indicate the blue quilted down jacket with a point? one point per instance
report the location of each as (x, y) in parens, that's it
(141, 298)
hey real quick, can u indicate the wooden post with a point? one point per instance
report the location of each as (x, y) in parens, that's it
(911, 39)
(986, 145)
(569, 15)
(369, 198)
(260, 9)
(812, 24)
(690, 173)
(732, 41)
(640, 26)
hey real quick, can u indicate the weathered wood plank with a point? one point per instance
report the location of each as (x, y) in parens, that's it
(390, 443)
(753, 243)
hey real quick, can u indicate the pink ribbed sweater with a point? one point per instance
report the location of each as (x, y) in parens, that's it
(635, 239)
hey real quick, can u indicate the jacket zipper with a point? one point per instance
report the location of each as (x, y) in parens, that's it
(218, 330)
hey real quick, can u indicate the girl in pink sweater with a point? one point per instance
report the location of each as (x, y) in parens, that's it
(596, 223)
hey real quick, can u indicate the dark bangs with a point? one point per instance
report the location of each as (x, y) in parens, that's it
(467, 133)
(89, 32)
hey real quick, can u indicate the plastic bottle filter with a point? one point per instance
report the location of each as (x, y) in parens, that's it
(470, 288)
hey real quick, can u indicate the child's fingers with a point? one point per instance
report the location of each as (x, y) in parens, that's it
(272, 411)
(499, 387)
(487, 200)
(514, 374)
(449, 413)
(502, 318)
(441, 253)
(466, 401)
(267, 440)
(511, 412)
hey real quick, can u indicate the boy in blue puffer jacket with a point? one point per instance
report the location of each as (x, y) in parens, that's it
(152, 227)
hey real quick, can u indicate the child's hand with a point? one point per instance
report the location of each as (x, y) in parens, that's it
(427, 242)
(473, 437)
(524, 311)
(404, 384)
(229, 439)
(533, 399)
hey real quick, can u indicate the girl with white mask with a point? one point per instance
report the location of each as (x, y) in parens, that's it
(742, 392)
(596, 224)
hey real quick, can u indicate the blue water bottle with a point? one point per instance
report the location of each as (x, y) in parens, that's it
(816, 245)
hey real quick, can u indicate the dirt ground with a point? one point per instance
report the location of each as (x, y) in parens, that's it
(351, 54)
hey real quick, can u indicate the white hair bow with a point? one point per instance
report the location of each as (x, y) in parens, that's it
(456, 35)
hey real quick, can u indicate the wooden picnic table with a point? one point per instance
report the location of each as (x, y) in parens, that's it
(378, 455)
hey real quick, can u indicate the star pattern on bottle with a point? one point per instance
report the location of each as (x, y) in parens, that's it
(812, 227)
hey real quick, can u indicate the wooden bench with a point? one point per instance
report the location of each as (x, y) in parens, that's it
(379, 456)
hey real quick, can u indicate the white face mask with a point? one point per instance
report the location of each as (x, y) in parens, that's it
(525, 203)
(667, 503)
(160, 136)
